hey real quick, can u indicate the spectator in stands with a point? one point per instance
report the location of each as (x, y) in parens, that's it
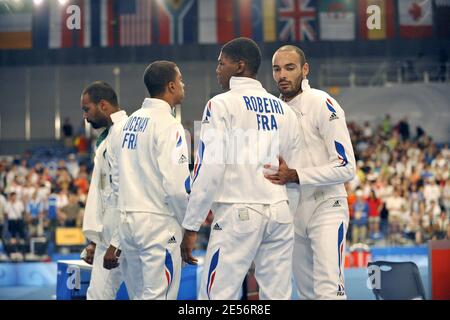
(446, 196)
(415, 196)
(82, 145)
(72, 166)
(52, 210)
(67, 129)
(81, 182)
(2, 213)
(420, 133)
(44, 189)
(386, 125)
(82, 197)
(28, 190)
(415, 176)
(62, 196)
(367, 131)
(11, 173)
(396, 206)
(412, 227)
(375, 206)
(360, 216)
(71, 214)
(34, 216)
(403, 128)
(62, 175)
(426, 227)
(441, 226)
(14, 210)
(434, 210)
(15, 186)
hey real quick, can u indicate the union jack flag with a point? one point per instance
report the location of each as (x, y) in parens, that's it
(297, 20)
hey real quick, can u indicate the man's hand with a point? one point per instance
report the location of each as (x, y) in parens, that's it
(90, 251)
(187, 245)
(283, 175)
(111, 258)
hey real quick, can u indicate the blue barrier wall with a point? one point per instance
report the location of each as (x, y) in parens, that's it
(44, 275)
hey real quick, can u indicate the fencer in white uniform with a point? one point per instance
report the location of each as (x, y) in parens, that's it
(325, 163)
(242, 129)
(151, 175)
(100, 221)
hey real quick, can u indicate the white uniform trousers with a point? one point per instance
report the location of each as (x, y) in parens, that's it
(318, 260)
(151, 244)
(105, 283)
(240, 235)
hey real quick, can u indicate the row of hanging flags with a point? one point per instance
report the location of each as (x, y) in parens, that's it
(120, 23)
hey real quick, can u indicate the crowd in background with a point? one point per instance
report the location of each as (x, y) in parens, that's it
(401, 192)
(35, 200)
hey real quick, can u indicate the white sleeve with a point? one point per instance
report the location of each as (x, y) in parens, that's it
(292, 155)
(330, 119)
(115, 239)
(293, 147)
(209, 165)
(112, 157)
(173, 163)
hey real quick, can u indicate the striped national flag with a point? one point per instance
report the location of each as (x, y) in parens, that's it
(106, 23)
(215, 21)
(15, 25)
(59, 35)
(257, 19)
(135, 22)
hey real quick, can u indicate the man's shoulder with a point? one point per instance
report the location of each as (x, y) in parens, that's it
(165, 124)
(322, 98)
(222, 97)
(316, 95)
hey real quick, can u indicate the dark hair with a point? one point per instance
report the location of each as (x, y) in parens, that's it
(100, 90)
(157, 75)
(297, 50)
(244, 49)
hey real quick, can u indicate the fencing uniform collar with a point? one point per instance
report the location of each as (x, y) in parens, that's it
(239, 82)
(117, 116)
(305, 87)
(156, 103)
(101, 137)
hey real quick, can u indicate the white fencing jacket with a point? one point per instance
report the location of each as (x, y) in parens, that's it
(326, 160)
(99, 221)
(149, 160)
(242, 130)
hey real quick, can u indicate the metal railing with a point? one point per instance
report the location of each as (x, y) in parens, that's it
(369, 74)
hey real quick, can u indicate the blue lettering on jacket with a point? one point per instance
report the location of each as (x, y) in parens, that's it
(132, 127)
(265, 109)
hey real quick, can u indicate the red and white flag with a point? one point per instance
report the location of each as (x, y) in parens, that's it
(416, 18)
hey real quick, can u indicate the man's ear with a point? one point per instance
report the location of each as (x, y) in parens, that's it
(240, 67)
(171, 86)
(103, 104)
(305, 69)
